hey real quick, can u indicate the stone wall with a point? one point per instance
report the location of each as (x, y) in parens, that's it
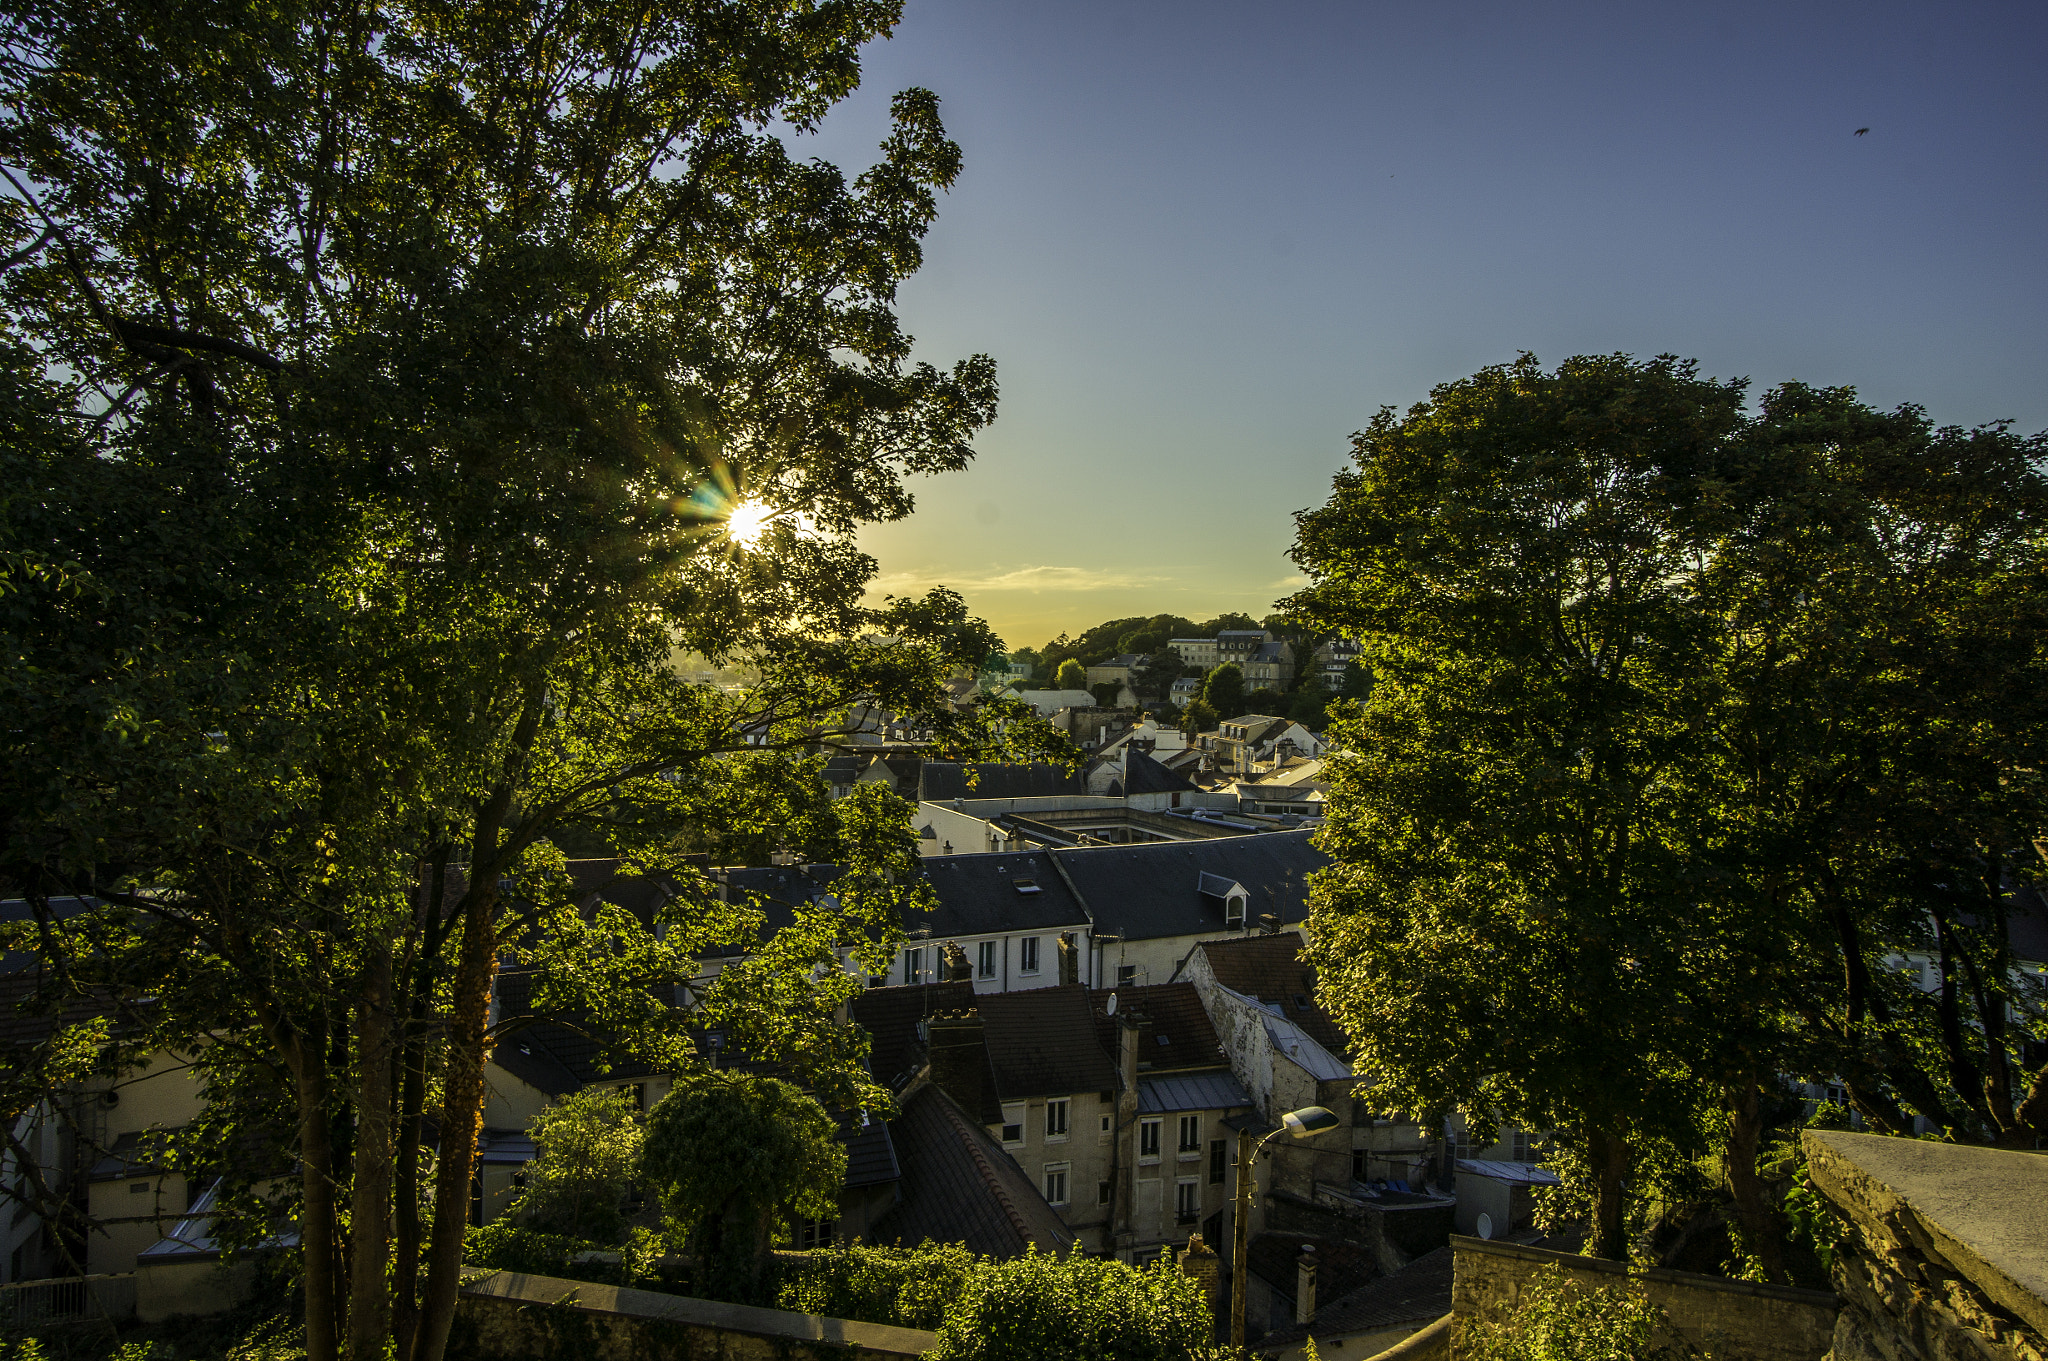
(509, 1316)
(1734, 1320)
(1944, 1253)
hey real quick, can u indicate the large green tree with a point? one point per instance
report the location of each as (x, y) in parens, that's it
(396, 390)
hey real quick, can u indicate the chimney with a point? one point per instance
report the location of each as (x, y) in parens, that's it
(957, 969)
(1199, 1262)
(1070, 960)
(1305, 1286)
(957, 1059)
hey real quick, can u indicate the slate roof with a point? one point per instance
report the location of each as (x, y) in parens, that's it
(1042, 1043)
(138, 1153)
(941, 781)
(1149, 891)
(980, 895)
(1269, 968)
(870, 1152)
(891, 1016)
(1415, 1296)
(1169, 1011)
(1341, 1267)
(959, 1186)
(1144, 775)
(1214, 1091)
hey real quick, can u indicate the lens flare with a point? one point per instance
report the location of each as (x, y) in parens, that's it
(747, 521)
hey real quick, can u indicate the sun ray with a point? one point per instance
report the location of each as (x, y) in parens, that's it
(747, 521)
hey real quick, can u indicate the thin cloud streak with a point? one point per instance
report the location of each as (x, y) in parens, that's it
(1034, 579)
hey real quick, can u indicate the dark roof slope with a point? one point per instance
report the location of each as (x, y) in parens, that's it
(943, 780)
(1270, 969)
(1341, 1267)
(1173, 1030)
(1143, 775)
(997, 893)
(959, 1186)
(1148, 891)
(1042, 1043)
(891, 1016)
(1415, 1296)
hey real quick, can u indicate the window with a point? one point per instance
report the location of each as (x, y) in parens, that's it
(1105, 1124)
(1358, 1168)
(814, 1233)
(1056, 1183)
(986, 965)
(1219, 1159)
(1103, 1192)
(1191, 1134)
(1056, 1119)
(1187, 1200)
(1233, 909)
(913, 965)
(1522, 1146)
(1126, 973)
(1013, 1134)
(1148, 1138)
(1027, 955)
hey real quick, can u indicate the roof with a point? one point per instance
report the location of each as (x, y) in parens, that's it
(1145, 892)
(138, 1153)
(1165, 1094)
(1272, 651)
(944, 780)
(1418, 1294)
(505, 1147)
(1125, 659)
(891, 1017)
(997, 893)
(1270, 969)
(1171, 1012)
(1291, 1041)
(1042, 1043)
(1052, 701)
(870, 1152)
(1221, 634)
(1341, 1267)
(1521, 1174)
(1143, 775)
(959, 1186)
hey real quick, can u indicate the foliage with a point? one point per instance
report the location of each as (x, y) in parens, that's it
(728, 1152)
(1223, 690)
(1265, 700)
(1558, 1318)
(588, 1148)
(1309, 704)
(1106, 693)
(904, 1287)
(1083, 1308)
(1198, 717)
(1071, 676)
(1683, 722)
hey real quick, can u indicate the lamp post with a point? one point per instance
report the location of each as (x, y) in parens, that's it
(1301, 1124)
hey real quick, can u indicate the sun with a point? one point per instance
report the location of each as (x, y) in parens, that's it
(747, 521)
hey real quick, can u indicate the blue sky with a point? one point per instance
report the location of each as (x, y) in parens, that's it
(1205, 242)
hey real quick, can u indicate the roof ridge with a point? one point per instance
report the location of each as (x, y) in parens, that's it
(988, 1172)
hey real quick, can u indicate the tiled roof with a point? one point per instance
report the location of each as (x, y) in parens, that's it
(1042, 1043)
(1270, 969)
(1418, 1294)
(943, 780)
(891, 1016)
(1169, 1011)
(1144, 892)
(870, 1152)
(1165, 1094)
(959, 1186)
(1341, 1267)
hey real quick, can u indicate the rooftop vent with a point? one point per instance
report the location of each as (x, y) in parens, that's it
(1025, 885)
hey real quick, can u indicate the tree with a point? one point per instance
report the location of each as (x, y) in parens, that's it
(1265, 700)
(1039, 1305)
(1222, 622)
(1198, 717)
(398, 394)
(587, 1148)
(730, 1153)
(1106, 693)
(1071, 676)
(1223, 690)
(1160, 670)
(1308, 704)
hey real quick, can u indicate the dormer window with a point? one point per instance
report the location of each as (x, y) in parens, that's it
(1025, 885)
(1233, 909)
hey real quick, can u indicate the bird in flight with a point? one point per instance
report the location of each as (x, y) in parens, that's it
(1861, 131)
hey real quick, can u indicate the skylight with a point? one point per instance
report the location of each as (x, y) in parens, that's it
(1025, 885)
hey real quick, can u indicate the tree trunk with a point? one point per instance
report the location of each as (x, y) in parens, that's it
(461, 1114)
(316, 1213)
(412, 1100)
(369, 1311)
(1609, 1156)
(1758, 1219)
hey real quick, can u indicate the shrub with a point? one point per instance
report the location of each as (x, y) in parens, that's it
(1562, 1319)
(906, 1287)
(508, 1245)
(588, 1145)
(1044, 1308)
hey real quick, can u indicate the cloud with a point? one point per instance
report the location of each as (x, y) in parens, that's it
(1032, 579)
(1293, 583)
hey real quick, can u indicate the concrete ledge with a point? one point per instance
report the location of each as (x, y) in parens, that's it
(1431, 1344)
(1981, 1212)
(1825, 1299)
(644, 1323)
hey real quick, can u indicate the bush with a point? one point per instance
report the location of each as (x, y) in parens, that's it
(1562, 1319)
(588, 1144)
(508, 1245)
(905, 1287)
(1044, 1308)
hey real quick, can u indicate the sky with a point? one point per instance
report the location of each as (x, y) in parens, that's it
(1205, 242)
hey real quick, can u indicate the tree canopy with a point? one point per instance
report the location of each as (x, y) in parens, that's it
(1618, 836)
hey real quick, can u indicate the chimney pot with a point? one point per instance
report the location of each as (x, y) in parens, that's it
(1305, 1286)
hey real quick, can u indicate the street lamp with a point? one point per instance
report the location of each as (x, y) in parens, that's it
(1301, 1124)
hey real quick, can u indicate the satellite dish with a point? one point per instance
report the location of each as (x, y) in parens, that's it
(1485, 1225)
(1110, 1007)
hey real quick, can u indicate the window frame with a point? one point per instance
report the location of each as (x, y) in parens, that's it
(1027, 954)
(1056, 1121)
(1189, 1124)
(1187, 1200)
(1064, 1172)
(1148, 1139)
(985, 963)
(1219, 1161)
(913, 963)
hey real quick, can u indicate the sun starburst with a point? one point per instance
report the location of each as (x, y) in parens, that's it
(747, 521)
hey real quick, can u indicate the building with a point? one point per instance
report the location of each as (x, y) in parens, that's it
(1271, 667)
(1116, 670)
(1240, 645)
(1241, 746)
(1195, 651)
